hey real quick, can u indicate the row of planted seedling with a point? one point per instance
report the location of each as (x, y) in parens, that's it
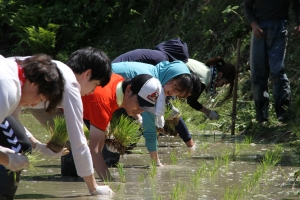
(210, 171)
(124, 131)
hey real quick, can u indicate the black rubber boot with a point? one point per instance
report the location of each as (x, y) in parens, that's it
(111, 158)
(281, 113)
(68, 166)
(262, 111)
(9, 182)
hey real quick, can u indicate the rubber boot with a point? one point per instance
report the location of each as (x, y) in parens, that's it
(111, 158)
(9, 182)
(280, 113)
(68, 165)
(262, 110)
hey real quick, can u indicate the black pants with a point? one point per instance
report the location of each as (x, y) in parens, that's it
(12, 136)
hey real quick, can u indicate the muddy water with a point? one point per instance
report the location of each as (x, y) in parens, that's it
(43, 181)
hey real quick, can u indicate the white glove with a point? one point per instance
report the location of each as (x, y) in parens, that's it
(112, 149)
(192, 149)
(160, 121)
(175, 112)
(42, 148)
(213, 115)
(102, 190)
(6, 150)
(140, 121)
(16, 161)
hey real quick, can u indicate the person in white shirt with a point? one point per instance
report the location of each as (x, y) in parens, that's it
(22, 83)
(84, 70)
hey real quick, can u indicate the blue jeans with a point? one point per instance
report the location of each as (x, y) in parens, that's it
(267, 57)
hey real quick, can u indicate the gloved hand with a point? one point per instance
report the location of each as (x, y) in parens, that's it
(140, 122)
(102, 190)
(213, 115)
(174, 112)
(191, 150)
(16, 161)
(112, 149)
(42, 148)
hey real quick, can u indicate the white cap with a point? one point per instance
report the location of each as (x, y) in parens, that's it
(148, 90)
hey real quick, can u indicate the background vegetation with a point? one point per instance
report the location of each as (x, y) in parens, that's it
(209, 27)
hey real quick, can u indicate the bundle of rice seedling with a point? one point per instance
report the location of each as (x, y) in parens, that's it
(59, 134)
(123, 132)
(172, 114)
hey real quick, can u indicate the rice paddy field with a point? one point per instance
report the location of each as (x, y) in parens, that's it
(220, 167)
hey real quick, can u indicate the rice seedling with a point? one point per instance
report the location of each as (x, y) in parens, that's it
(59, 134)
(173, 173)
(232, 194)
(246, 143)
(204, 146)
(153, 169)
(225, 159)
(120, 167)
(123, 132)
(141, 178)
(32, 161)
(200, 173)
(107, 180)
(215, 167)
(237, 149)
(195, 178)
(248, 139)
(178, 192)
(273, 157)
(173, 158)
(251, 181)
(158, 198)
(174, 110)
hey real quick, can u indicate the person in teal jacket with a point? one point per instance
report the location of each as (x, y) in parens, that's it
(165, 72)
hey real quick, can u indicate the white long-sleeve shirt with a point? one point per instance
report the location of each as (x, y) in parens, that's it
(73, 112)
(10, 87)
